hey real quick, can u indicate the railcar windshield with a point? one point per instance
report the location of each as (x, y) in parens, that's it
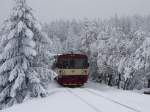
(72, 63)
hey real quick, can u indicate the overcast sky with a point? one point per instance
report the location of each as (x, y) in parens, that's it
(49, 10)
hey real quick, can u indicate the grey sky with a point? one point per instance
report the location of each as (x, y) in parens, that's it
(49, 10)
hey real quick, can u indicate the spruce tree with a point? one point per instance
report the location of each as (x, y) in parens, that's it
(89, 36)
(21, 45)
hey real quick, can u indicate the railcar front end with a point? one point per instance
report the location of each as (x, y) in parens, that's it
(72, 69)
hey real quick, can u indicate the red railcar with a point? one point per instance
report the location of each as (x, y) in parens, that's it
(72, 69)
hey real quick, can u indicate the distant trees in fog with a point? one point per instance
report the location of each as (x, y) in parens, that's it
(118, 48)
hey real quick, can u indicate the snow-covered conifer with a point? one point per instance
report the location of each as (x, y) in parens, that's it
(72, 41)
(88, 36)
(88, 43)
(21, 45)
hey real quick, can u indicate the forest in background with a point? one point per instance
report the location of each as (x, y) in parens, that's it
(118, 48)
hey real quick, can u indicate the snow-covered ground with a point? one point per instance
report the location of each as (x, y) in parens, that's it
(90, 98)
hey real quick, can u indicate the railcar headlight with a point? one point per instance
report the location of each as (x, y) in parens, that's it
(84, 71)
(63, 71)
(60, 72)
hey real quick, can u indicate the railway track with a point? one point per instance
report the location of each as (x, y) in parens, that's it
(100, 96)
(111, 100)
(84, 101)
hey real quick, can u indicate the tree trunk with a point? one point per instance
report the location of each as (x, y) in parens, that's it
(148, 83)
(110, 80)
(119, 80)
(126, 84)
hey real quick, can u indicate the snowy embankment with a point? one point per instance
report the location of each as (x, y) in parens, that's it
(91, 98)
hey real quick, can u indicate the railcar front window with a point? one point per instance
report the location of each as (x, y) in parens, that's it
(78, 63)
(72, 63)
(63, 64)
